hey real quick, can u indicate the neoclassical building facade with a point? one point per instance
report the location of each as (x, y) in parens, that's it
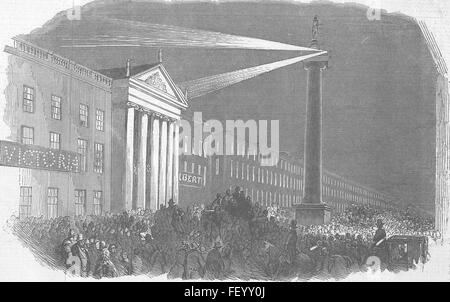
(146, 105)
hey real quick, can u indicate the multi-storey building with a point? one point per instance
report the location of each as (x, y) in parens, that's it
(55, 103)
(282, 184)
(442, 193)
(121, 122)
(194, 179)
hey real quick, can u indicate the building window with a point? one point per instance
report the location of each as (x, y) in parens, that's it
(27, 135)
(217, 166)
(52, 203)
(56, 107)
(28, 99)
(98, 202)
(82, 150)
(25, 202)
(99, 119)
(84, 115)
(80, 202)
(55, 140)
(99, 156)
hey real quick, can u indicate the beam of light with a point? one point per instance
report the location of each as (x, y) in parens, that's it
(121, 33)
(202, 86)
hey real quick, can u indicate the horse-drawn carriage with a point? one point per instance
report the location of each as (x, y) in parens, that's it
(399, 252)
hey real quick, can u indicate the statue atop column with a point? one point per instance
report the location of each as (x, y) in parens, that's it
(315, 32)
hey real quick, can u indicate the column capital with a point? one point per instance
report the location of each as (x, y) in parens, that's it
(149, 112)
(318, 61)
(166, 118)
(158, 115)
(132, 105)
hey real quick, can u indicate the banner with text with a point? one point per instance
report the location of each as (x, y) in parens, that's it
(190, 180)
(36, 157)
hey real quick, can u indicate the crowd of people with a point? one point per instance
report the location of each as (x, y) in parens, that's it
(230, 237)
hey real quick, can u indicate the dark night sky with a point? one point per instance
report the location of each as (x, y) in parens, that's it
(379, 114)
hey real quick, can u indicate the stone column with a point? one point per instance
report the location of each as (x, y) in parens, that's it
(129, 159)
(155, 164)
(313, 134)
(163, 163)
(312, 210)
(176, 162)
(169, 190)
(148, 178)
(142, 167)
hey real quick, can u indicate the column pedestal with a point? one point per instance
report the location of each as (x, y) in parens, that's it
(312, 214)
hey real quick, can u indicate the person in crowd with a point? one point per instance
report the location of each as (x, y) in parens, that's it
(379, 241)
(217, 201)
(71, 239)
(105, 267)
(237, 193)
(291, 244)
(80, 250)
(71, 262)
(226, 200)
(214, 266)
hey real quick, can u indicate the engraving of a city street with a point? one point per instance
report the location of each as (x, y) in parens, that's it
(224, 140)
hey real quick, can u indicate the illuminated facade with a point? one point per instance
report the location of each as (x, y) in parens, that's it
(122, 123)
(442, 193)
(282, 184)
(147, 105)
(55, 103)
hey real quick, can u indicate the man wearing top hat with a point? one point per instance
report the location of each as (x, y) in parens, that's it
(380, 234)
(291, 244)
(379, 240)
(80, 250)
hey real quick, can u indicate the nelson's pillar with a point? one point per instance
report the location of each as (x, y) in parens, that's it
(312, 210)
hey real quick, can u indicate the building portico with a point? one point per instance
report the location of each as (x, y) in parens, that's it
(151, 105)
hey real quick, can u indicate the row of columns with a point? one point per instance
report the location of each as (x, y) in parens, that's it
(152, 169)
